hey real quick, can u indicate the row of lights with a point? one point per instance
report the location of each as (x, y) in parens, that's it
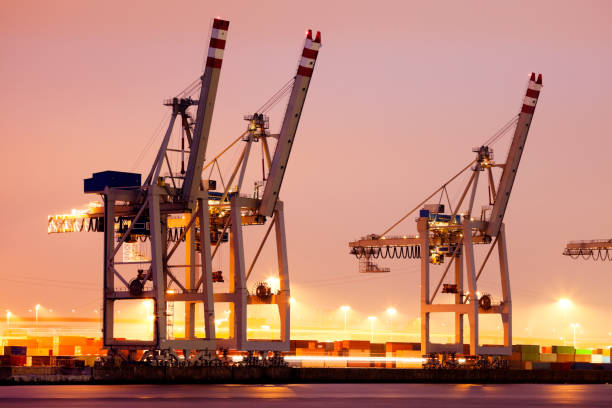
(391, 311)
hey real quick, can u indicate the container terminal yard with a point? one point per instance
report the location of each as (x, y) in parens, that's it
(162, 235)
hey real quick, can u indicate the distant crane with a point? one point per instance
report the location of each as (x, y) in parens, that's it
(180, 208)
(596, 249)
(453, 235)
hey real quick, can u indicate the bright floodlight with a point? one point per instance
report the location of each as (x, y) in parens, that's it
(37, 307)
(291, 300)
(391, 311)
(564, 303)
(345, 308)
(372, 318)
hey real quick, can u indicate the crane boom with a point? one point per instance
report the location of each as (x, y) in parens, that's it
(206, 104)
(514, 155)
(290, 124)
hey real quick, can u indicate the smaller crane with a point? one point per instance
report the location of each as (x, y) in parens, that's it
(451, 236)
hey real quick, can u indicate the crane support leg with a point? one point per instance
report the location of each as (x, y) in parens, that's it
(506, 312)
(190, 281)
(206, 267)
(471, 277)
(459, 300)
(422, 228)
(283, 273)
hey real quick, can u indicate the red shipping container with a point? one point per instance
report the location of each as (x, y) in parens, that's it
(18, 360)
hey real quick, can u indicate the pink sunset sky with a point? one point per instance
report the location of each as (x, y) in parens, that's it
(401, 93)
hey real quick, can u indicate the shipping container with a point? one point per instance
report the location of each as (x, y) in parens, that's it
(546, 350)
(540, 365)
(529, 356)
(597, 358)
(15, 350)
(295, 344)
(563, 349)
(561, 366)
(395, 346)
(548, 358)
(606, 359)
(584, 351)
(582, 358)
(526, 348)
(565, 358)
(356, 344)
(582, 366)
(377, 349)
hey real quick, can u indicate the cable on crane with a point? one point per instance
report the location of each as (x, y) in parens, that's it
(405, 252)
(269, 104)
(602, 254)
(501, 132)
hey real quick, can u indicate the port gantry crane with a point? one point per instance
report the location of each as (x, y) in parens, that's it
(453, 235)
(181, 208)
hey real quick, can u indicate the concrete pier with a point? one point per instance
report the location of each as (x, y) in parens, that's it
(281, 375)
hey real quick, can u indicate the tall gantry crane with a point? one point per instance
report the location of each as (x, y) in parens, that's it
(451, 236)
(181, 209)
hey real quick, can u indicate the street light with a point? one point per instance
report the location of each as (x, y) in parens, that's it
(372, 319)
(8, 321)
(36, 311)
(391, 311)
(574, 326)
(345, 309)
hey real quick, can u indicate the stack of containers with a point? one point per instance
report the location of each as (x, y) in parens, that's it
(401, 351)
(378, 350)
(597, 356)
(583, 355)
(357, 348)
(565, 354)
(527, 354)
(606, 356)
(14, 356)
(547, 355)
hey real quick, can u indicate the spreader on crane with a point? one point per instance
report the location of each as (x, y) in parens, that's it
(180, 208)
(452, 236)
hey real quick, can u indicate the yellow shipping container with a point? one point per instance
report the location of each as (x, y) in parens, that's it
(548, 358)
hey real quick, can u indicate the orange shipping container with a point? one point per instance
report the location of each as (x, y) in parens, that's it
(356, 344)
(565, 358)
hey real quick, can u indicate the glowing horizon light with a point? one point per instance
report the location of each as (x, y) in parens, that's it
(274, 283)
(564, 303)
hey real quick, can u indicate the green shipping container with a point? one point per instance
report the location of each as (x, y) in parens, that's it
(530, 356)
(526, 348)
(584, 351)
(563, 349)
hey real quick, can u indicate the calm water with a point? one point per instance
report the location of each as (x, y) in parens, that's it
(308, 395)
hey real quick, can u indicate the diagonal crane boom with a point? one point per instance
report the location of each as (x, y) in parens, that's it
(206, 105)
(514, 155)
(290, 124)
